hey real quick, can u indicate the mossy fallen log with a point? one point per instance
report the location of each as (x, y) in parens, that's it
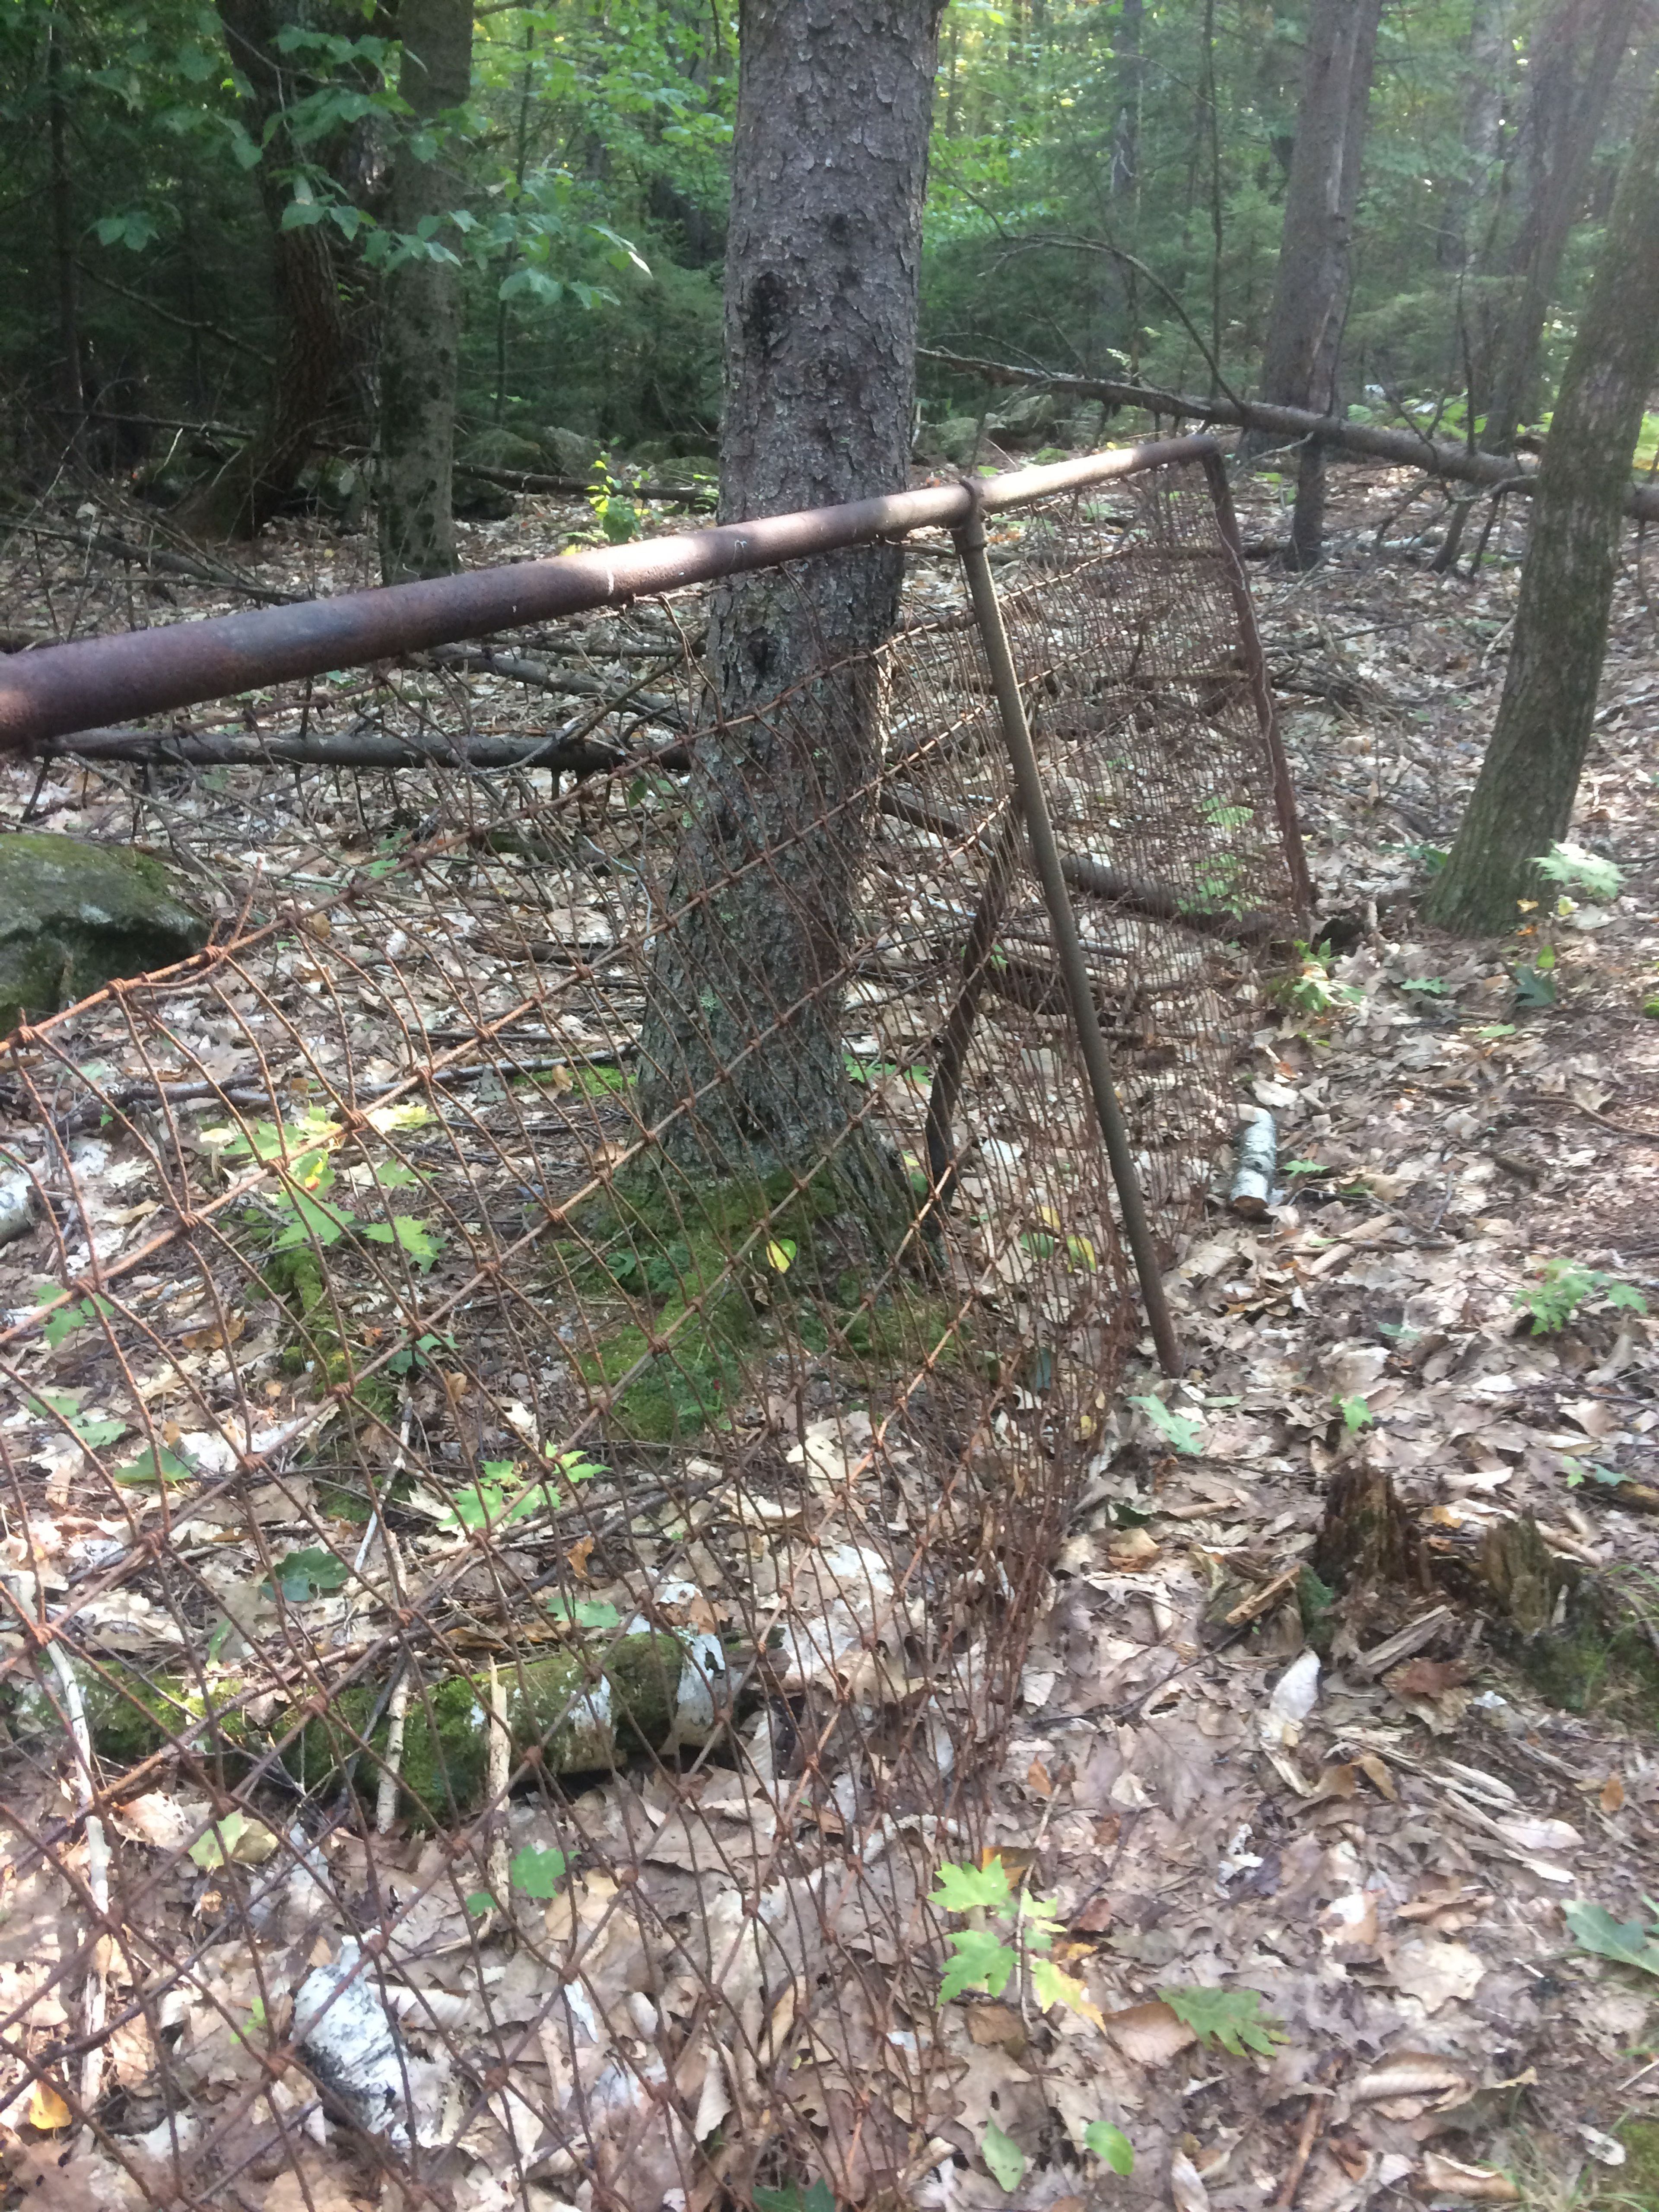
(575, 1712)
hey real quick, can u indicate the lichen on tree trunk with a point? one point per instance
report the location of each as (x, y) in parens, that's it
(1523, 799)
(741, 1053)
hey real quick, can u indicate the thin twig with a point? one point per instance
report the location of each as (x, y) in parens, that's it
(1312, 2122)
(86, 1785)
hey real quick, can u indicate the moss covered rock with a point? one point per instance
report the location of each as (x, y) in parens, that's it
(74, 917)
(569, 452)
(503, 449)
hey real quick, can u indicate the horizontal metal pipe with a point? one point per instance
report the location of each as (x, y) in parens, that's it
(63, 688)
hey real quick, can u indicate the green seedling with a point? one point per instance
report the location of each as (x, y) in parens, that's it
(65, 1405)
(1563, 1287)
(66, 1320)
(497, 1501)
(1576, 870)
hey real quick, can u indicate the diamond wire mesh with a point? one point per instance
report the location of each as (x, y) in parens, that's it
(502, 1627)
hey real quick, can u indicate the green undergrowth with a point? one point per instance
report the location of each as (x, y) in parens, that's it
(728, 1271)
(295, 1274)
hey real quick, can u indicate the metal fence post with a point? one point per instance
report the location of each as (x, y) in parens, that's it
(1069, 945)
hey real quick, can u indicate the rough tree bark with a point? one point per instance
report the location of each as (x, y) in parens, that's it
(420, 345)
(326, 304)
(1523, 799)
(830, 165)
(1311, 291)
(1574, 65)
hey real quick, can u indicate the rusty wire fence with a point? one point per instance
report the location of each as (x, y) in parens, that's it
(503, 1616)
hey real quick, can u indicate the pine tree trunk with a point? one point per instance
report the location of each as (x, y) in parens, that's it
(1523, 799)
(1310, 292)
(420, 345)
(746, 985)
(1574, 68)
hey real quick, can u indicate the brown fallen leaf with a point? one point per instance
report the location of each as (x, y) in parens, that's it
(1427, 1678)
(217, 1335)
(1038, 1778)
(1375, 1768)
(1484, 2183)
(1410, 2074)
(1148, 2033)
(1186, 2189)
(1341, 1781)
(997, 2028)
(1434, 1972)
(317, 2189)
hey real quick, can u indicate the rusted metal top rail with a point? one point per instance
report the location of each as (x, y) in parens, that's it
(59, 688)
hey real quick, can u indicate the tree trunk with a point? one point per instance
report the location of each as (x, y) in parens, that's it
(1310, 292)
(830, 165)
(1486, 83)
(71, 394)
(421, 341)
(1574, 68)
(327, 302)
(1522, 802)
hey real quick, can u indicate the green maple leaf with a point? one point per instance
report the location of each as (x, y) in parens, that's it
(981, 1962)
(966, 1888)
(538, 1873)
(1230, 2017)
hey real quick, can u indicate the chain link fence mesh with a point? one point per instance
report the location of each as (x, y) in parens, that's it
(507, 1585)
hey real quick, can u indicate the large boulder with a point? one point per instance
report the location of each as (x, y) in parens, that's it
(1027, 419)
(503, 449)
(569, 453)
(74, 917)
(957, 440)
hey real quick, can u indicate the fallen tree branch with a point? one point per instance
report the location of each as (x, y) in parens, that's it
(1407, 449)
(486, 660)
(1096, 879)
(574, 488)
(359, 749)
(156, 557)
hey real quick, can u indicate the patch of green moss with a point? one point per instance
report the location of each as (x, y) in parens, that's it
(130, 1715)
(1582, 1639)
(1637, 2182)
(719, 1268)
(564, 1707)
(297, 1275)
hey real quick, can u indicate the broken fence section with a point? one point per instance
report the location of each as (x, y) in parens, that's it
(503, 1620)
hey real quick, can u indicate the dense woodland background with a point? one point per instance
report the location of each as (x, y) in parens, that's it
(1107, 195)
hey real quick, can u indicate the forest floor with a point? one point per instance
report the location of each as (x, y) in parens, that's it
(1389, 1858)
